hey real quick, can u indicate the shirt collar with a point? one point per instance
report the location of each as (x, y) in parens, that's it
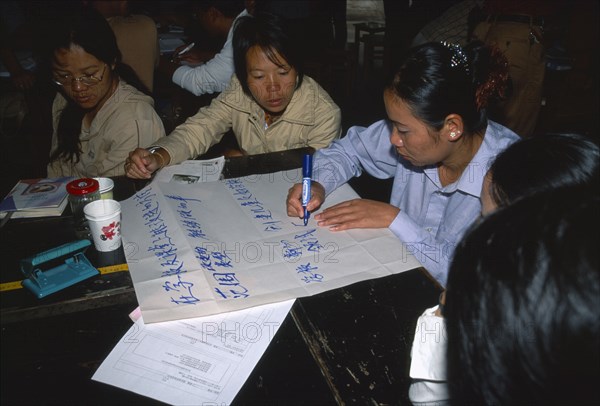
(471, 179)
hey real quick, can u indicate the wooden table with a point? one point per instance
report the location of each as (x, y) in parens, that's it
(361, 335)
(23, 238)
(344, 346)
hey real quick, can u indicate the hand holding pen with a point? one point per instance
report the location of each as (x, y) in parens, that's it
(294, 200)
(179, 54)
(186, 49)
(306, 183)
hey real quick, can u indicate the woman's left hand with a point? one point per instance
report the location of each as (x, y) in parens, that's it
(357, 213)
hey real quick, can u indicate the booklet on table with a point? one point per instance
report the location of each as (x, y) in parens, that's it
(36, 198)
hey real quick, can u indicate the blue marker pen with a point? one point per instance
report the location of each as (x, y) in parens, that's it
(306, 175)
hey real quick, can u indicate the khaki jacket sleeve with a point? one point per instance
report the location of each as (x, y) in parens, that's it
(122, 137)
(200, 131)
(328, 123)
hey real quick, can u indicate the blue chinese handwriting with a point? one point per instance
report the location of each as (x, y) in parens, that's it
(290, 250)
(162, 246)
(191, 225)
(309, 241)
(308, 274)
(183, 288)
(252, 205)
(217, 262)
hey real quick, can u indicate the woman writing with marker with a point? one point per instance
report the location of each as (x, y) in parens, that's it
(436, 143)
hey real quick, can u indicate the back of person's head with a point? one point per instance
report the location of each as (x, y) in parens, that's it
(109, 8)
(268, 32)
(229, 8)
(542, 163)
(522, 304)
(437, 79)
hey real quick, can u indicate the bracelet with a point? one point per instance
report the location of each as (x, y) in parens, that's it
(154, 151)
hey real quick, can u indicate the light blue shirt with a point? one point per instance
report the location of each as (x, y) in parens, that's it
(432, 218)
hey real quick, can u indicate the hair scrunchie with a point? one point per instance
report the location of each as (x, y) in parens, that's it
(497, 79)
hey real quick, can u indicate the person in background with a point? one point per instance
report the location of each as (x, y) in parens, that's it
(436, 143)
(522, 304)
(319, 25)
(403, 20)
(201, 72)
(269, 104)
(137, 37)
(517, 28)
(99, 114)
(451, 26)
(528, 167)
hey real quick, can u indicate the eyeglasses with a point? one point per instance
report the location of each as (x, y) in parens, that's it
(88, 80)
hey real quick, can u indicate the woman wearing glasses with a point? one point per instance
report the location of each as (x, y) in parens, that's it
(102, 111)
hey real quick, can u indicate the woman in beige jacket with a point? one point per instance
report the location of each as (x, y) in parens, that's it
(102, 110)
(269, 104)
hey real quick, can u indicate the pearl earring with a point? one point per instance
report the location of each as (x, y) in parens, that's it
(453, 134)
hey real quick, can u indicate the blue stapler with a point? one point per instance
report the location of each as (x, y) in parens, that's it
(72, 266)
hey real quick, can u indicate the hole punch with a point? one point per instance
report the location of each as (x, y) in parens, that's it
(58, 268)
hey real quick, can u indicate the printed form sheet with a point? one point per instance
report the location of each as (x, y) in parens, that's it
(208, 248)
(204, 360)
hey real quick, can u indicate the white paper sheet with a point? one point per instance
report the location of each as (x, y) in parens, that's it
(204, 360)
(208, 248)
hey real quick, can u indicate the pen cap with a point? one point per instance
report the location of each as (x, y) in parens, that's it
(307, 166)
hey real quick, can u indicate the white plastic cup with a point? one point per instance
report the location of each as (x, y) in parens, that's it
(106, 187)
(104, 221)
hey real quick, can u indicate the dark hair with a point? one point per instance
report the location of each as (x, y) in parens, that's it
(522, 304)
(437, 79)
(229, 8)
(88, 29)
(544, 162)
(269, 32)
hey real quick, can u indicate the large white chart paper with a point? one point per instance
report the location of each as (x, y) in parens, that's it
(209, 248)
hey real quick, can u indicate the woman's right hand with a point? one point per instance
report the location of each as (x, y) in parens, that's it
(192, 57)
(141, 164)
(294, 199)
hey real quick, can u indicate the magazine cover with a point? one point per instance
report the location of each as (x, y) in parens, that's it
(31, 194)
